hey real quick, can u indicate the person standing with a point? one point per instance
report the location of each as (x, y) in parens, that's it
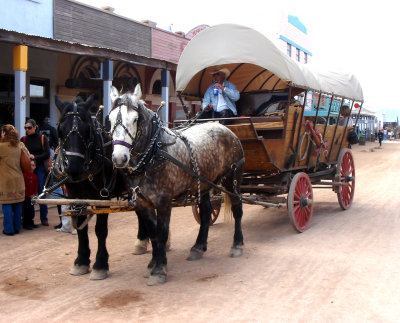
(39, 149)
(380, 137)
(12, 186)
(220, 97)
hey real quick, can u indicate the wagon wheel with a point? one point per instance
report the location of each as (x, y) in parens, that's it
(216, 205)
(345, 173)
(300, 202)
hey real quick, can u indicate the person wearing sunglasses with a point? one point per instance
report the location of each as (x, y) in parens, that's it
(39, 149)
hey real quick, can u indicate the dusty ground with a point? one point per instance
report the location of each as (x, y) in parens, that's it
(345, 268)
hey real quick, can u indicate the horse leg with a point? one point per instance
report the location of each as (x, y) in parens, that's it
(205, 216)
(142, 241)
(146, 229)
(232, 184)
(158, 274)
(82, 262)
(100, 267)
(149, 222)
(237, 210)
(152, 262)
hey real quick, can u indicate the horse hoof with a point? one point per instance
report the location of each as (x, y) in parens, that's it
(140, 247)
(195, 254)
(98, 274)
(236, 252)
(147, 274)
(79, 270)
(156, 280)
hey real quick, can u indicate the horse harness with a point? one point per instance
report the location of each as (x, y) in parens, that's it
(148, 161)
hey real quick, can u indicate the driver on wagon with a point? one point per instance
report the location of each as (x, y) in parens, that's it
(220, 97)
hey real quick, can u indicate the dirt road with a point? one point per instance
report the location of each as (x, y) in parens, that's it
(344, 268)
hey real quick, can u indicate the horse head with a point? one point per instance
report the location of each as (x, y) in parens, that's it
(128, 125)
(76, 137)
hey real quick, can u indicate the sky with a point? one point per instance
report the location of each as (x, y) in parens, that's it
(353, 36)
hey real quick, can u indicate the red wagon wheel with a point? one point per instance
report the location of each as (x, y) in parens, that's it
(300, 202)
(345, 174)
(216, 205)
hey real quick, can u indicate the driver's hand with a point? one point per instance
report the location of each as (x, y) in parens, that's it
(209, 107)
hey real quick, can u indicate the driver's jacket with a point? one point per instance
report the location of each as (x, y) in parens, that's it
(230, 94)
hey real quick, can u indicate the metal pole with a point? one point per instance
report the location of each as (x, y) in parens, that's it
(20, 100)
(20, 66)
(165, 95)
(107, 76)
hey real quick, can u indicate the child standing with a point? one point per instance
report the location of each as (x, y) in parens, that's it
(31, 189)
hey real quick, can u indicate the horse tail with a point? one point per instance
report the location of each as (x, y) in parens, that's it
(228, 215)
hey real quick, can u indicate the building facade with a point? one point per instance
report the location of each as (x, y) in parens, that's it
(294, 39)
(66, 45)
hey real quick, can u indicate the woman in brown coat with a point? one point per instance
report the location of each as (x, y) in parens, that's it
(12, 186)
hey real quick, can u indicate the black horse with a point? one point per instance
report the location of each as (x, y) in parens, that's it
(85, 158)
(168, 165)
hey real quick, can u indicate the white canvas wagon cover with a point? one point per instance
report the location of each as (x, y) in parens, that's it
(255, 63)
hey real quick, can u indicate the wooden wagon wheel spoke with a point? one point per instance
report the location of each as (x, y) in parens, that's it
(300, 202)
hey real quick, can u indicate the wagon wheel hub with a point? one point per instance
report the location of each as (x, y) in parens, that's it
(303, 202)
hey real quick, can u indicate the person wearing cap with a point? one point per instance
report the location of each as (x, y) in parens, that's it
(220, 97)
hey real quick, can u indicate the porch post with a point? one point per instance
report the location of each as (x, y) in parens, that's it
(165, 95)
(107, 76)
(20, 66)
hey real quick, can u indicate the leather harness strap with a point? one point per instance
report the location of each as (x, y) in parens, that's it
(165, 155)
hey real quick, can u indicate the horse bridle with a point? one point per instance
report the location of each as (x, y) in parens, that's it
(75, 129)
(146, 155)
(118, 122)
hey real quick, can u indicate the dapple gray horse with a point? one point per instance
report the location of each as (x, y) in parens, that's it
(163, 166)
